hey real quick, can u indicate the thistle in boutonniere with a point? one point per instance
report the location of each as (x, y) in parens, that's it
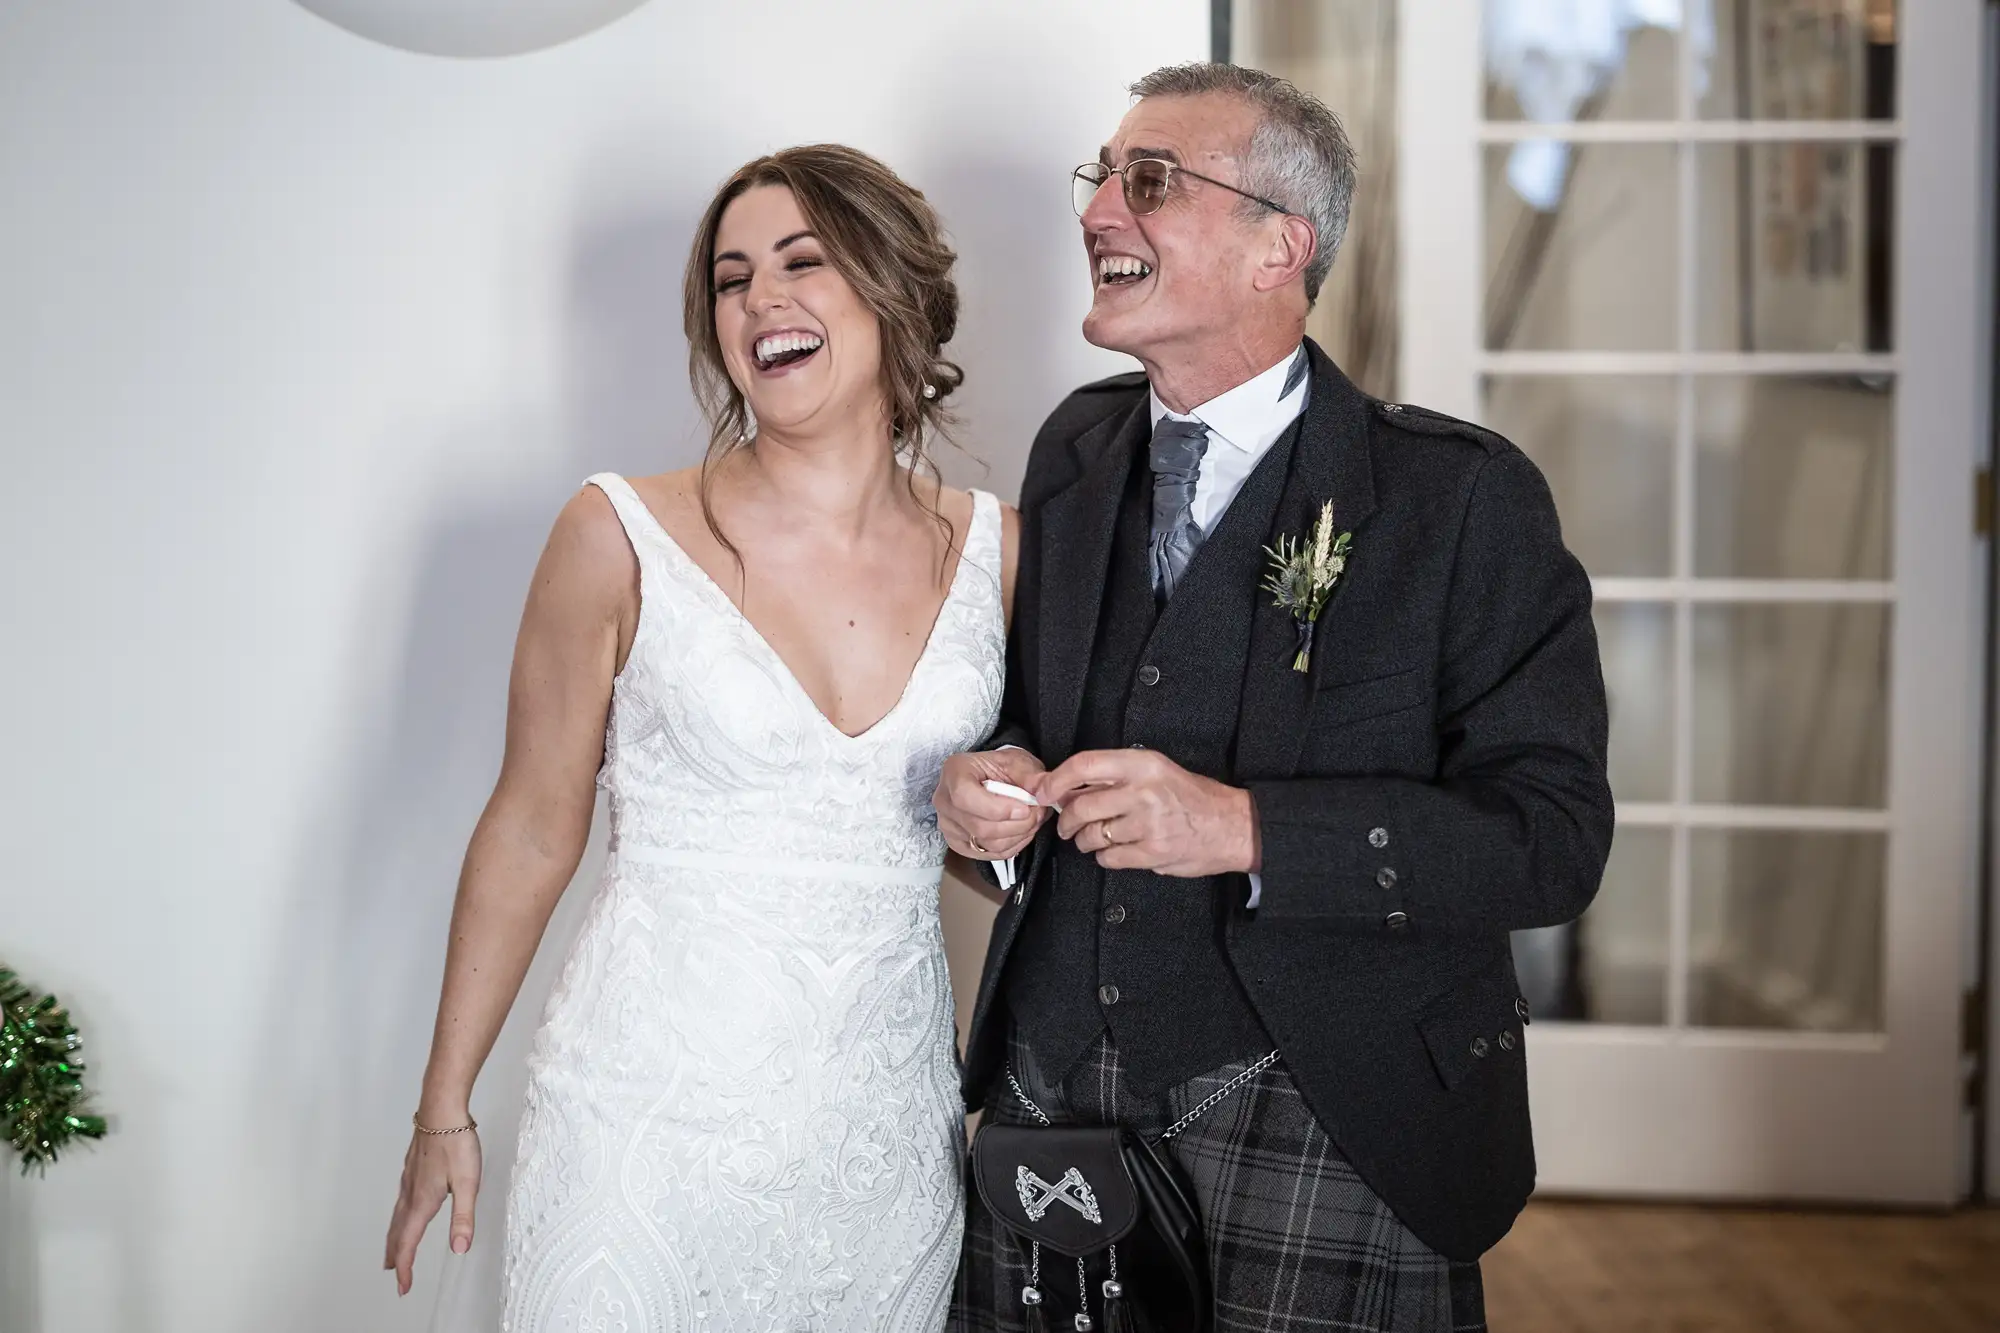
(1303, 575)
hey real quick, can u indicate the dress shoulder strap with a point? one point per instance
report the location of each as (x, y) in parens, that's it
(651, 544)
(982, 536)
(641, 528)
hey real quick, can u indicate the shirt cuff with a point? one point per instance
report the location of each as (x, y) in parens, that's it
(1256, 892)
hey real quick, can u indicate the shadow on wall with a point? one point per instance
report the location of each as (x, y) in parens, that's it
(1012, 350)
(365, 949)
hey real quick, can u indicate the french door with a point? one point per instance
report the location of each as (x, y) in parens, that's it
(1719, 279)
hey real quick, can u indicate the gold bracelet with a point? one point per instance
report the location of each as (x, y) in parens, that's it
(422, 1129)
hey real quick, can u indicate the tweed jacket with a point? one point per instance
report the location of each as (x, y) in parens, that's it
(1435, 781)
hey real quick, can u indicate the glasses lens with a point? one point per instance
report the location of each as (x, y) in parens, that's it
(1083, 185)
(1145, 185)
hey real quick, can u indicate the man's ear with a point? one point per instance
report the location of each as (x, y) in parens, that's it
(1293, 244)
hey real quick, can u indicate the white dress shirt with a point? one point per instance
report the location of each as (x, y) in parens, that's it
(1243, 423)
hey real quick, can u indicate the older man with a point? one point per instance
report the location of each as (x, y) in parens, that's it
(1280, 833)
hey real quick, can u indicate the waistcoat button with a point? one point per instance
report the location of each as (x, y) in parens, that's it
(1386, 877)
(1378, 838)
(1149, 674)
(1396, 920)
(1107, 994)
(1114, 913)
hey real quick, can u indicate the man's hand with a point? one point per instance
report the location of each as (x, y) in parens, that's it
(1139, 810)
(976, 822)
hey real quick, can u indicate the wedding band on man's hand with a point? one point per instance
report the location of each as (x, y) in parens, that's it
(977, 848)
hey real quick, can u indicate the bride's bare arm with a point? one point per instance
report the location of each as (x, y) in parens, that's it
(963, 868)
(580, 613)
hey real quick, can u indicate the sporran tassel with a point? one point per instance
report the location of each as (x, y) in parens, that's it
(1032, 1318)
(1118, 1313)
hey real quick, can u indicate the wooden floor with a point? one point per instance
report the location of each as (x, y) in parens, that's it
(1592, 1267)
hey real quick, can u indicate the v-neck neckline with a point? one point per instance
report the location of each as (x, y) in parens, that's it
(706, 583)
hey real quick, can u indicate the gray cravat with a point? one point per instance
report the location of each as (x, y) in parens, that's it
(1176, 458)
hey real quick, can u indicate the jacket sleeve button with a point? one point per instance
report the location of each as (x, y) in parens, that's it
(1479, 1047)
(1396, 920)
(1506, 1041)
(1378, 838)
(1386, 877)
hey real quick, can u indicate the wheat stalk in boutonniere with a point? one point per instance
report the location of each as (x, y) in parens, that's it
(1303, 575)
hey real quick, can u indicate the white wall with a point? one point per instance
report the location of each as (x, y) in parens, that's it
(303, 342)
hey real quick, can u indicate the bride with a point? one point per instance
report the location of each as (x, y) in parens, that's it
(743, 1107)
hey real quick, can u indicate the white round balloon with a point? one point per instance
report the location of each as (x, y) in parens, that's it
(471, 27)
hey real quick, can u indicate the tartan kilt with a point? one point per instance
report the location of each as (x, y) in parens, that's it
(1296, 1241)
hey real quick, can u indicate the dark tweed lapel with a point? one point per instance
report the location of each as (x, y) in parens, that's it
(1329, 462)
(1077, 528)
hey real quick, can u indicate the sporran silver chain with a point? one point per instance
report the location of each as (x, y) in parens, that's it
(1208, 1103)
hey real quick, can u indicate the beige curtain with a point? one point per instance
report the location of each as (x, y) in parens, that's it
(1344, 52)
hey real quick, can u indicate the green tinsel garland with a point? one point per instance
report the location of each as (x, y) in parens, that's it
(41, 1083)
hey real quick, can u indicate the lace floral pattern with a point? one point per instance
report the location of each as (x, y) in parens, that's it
(743, 1106)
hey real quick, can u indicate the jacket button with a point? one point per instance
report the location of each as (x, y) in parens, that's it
(1396, 920)
(1149, 674)
(1521, 1007)
(1114, 913)
(1136, 745)
(1479, 1047)
(1378, 838)
(1386, 877)
(1107, 994)
(1506, 1041)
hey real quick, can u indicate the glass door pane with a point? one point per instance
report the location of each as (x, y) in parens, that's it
(1792, 245)
(1581, 246)
(1802, 60)
(1794, 477)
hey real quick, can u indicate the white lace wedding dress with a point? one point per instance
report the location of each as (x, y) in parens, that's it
(743, 1108)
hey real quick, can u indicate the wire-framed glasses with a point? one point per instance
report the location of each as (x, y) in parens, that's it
(1146, 181)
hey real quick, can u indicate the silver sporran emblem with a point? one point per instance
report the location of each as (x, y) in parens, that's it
(1037, 1194)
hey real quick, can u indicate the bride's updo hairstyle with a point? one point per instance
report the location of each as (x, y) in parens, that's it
(885, 238)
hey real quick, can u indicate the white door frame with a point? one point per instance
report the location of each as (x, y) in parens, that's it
(1725, 1113)
(1989, 289)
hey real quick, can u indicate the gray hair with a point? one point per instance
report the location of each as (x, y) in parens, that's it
(1298, 156)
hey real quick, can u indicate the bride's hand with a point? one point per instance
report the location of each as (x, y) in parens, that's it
(978, 823)
(436, 1165)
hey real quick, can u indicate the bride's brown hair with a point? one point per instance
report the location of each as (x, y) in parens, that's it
(886, 240)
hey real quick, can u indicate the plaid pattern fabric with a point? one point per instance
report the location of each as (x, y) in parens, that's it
(1296, 1242)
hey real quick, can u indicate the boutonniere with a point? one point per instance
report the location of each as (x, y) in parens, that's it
(1303, 574)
